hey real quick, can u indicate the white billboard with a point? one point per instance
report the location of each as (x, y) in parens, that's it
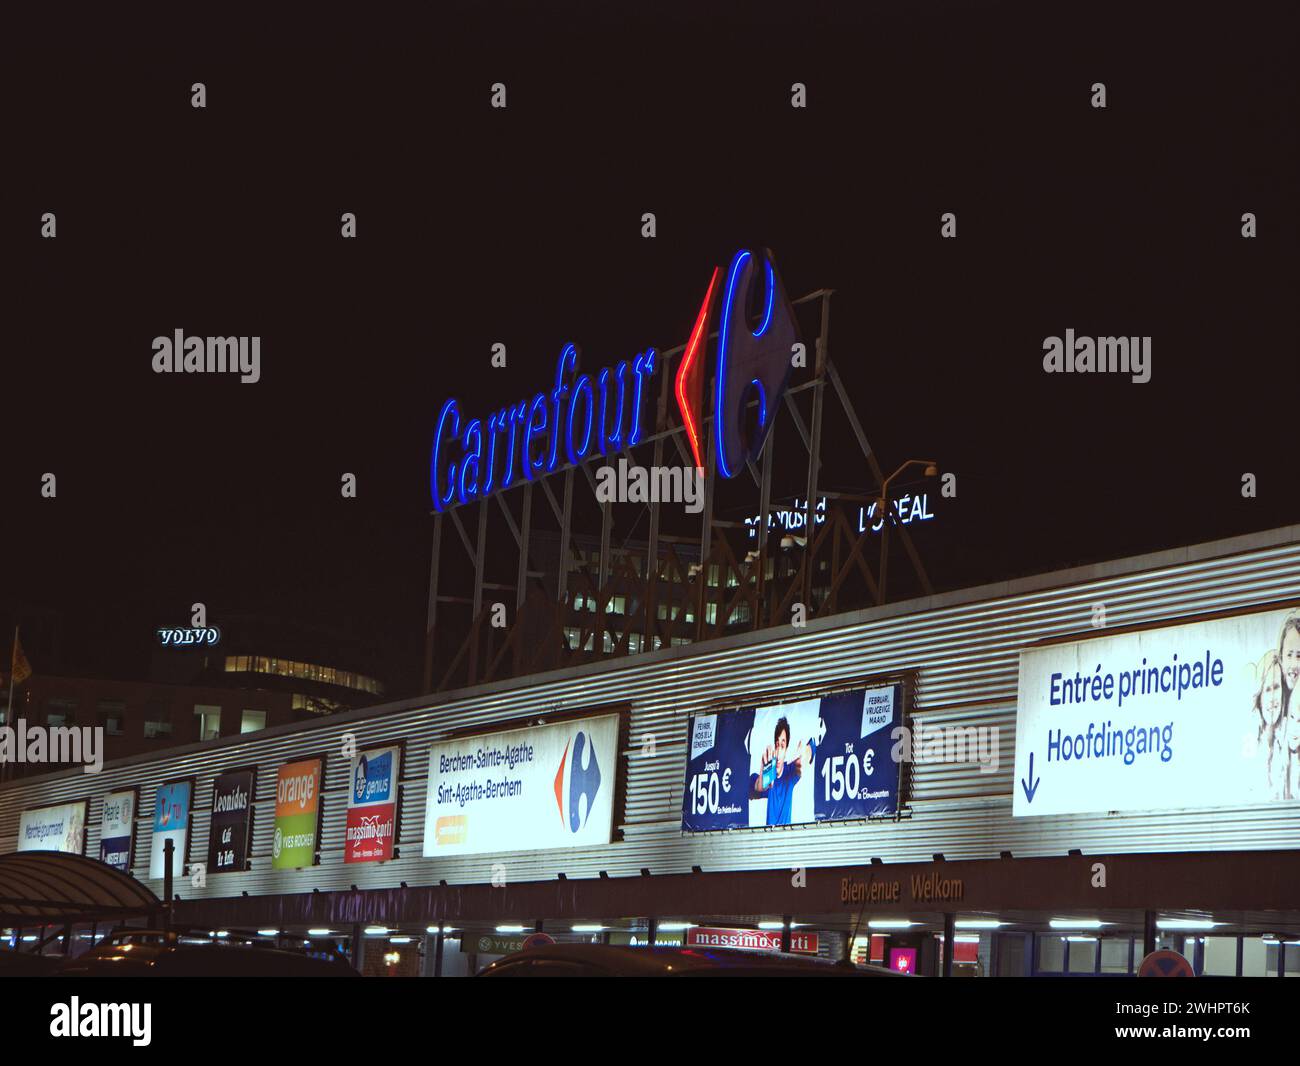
(61, 828)
(1199, 715)
(549, 786)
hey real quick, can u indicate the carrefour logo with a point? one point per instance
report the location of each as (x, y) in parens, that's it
(757, 333)
(583, 782)
(603, 412)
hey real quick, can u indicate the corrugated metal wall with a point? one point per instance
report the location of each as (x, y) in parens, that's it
(962, 646)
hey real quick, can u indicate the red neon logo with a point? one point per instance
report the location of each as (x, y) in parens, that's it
(559, 782)
(690, 374)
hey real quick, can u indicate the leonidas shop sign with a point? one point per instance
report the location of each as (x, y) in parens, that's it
(924, 888)
(702, 936)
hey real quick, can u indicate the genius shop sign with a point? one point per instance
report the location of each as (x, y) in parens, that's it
(583, 414)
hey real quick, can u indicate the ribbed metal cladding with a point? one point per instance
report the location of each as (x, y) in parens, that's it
(962, 648)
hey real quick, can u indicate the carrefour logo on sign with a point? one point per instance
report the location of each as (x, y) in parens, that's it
(603, 412)
(583, 782)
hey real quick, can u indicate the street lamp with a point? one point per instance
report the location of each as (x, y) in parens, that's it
(883, 512)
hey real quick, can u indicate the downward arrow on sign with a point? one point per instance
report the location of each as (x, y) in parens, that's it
(1030, 789)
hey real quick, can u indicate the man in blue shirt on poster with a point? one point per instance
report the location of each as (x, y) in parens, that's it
(780, 773)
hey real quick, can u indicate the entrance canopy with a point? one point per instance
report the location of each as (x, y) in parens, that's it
(53, 887)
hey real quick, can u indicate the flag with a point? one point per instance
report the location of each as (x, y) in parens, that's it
(20, 669)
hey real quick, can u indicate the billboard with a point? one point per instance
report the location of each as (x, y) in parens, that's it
(1198, 715)
(372, 805)
(171, 821)
(822, 759)
(232, 812)
(297, 814)
(117, 829)
(549, 786)
(61, 828)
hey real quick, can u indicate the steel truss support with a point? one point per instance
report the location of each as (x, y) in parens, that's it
(535, 637)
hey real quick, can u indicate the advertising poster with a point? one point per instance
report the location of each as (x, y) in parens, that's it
(549, 786)
(171, 821)
(117, 829)
(823, 759)
(232, 810)
(61, 828)
(1197, 715)
(297, 814)
(372, 805)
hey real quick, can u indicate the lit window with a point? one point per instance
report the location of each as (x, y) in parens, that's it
(157, 729)
(252, 721)
(209, 717)
(231, 664)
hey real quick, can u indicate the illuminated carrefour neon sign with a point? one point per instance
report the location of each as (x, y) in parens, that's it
(585, 414)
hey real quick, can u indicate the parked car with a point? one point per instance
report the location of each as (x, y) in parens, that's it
(152, 953)
(609, 960)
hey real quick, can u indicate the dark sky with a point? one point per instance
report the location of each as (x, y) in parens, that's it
(523, 226)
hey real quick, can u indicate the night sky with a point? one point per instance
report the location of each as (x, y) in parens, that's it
(523, 226)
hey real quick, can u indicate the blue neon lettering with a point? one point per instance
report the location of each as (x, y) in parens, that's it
(440, 500)
(472, 474)
(569, 355)
(720, 378)
(762, 403)
(535, 427)
(471, 461)
(606, 438)
(516, 416)
(642, 366)
(576, 455)
(771, 299)
(496, 423)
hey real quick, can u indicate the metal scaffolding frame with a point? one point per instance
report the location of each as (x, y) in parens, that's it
(488, 653)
